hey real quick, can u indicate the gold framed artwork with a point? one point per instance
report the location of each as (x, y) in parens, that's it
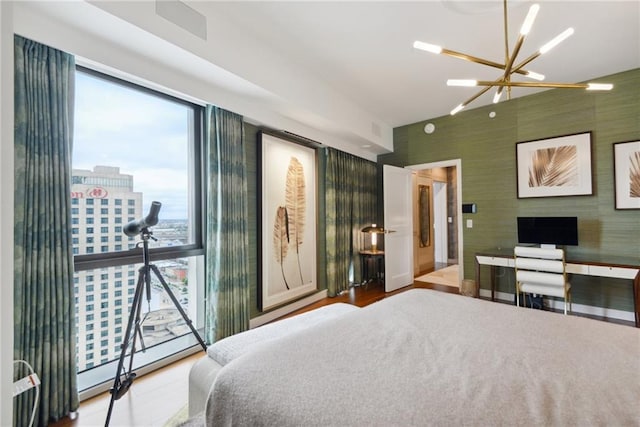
(626, 166)
(288, 221)
(559, 166)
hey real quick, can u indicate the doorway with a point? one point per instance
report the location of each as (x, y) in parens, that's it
(443, 181)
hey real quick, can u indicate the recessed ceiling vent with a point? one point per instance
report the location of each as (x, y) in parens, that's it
(183, 16)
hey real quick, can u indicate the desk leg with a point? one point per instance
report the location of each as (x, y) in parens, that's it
(636, 297)
(493, 283)
(493, 280)
(477, 278)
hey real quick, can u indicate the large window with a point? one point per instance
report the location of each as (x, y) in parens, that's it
(133, 146)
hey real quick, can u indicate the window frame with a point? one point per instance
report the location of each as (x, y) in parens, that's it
(197, 194)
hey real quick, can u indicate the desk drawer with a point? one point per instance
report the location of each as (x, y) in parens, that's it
(617, 272)
(494, 260)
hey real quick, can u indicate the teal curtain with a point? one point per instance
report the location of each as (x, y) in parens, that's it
(350, 198)
(44, 312)
(227, 240)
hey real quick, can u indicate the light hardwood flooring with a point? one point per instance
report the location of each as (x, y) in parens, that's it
(152, 400)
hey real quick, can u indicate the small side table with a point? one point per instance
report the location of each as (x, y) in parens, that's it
(372, 266)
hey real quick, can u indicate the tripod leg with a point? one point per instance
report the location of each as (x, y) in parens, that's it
(178, 306)
(121, 387)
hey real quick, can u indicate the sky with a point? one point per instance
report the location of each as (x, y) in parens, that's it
(145, 136)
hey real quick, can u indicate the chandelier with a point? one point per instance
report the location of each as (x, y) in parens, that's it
(504, 83)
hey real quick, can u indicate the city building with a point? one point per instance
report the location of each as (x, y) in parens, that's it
(103, 202)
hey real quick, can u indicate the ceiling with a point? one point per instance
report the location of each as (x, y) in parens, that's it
(358, 56)
(364, 49)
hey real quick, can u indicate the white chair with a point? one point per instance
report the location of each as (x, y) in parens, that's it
(541, 271)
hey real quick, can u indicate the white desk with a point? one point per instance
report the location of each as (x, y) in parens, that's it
(616, 267)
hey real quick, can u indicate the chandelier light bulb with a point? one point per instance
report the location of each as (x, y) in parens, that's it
(427, 47)
(535, 76)
(457, 109)
(556, 41)
(497, 96)
(528, 21)
(462, 82)
(599, 86)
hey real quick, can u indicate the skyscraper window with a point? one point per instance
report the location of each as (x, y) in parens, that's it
(133, 146)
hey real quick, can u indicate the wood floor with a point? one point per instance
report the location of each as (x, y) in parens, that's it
(155, 398)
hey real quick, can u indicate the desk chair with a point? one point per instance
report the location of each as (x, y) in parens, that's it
(541, 271)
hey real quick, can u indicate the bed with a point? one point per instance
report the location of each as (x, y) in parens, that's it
(430, 358)
(204, 372)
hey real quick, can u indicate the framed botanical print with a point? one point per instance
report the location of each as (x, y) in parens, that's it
(288, 220)
(559, 166)
(626, 166)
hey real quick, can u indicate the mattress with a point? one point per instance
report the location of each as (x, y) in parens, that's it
(431, 358)
(219, 354)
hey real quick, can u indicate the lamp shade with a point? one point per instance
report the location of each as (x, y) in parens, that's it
(373, 229)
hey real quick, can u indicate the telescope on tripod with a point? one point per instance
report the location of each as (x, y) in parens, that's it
(125, 375)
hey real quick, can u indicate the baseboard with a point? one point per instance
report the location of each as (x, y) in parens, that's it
(590, 310)
(283, 311)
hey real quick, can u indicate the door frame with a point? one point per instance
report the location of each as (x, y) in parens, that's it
(440, 241)
(457, 163)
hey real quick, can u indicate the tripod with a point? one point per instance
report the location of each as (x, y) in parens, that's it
(124, 378)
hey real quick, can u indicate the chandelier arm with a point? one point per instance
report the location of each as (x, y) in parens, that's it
(526, 61)
(506, 32)
(509, 67)
(477, 60)
(476, 96)
(533, 84)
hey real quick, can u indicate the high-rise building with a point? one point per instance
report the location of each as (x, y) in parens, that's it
(103, 201)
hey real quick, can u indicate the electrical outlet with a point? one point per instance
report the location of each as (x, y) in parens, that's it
(25, 384)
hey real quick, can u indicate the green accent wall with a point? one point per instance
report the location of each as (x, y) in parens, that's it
(251, 147)
(487, 149)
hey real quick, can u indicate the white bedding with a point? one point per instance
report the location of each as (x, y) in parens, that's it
(429, 358)
(205, 370)
(230, 348)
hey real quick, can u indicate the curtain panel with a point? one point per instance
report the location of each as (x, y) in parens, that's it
(351, 199)
(227, 240)
(44, 312)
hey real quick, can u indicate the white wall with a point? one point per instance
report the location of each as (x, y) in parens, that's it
(130, 38)
(6, 214)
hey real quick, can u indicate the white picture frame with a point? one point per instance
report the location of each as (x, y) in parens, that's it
(626, 166)
(552, 167)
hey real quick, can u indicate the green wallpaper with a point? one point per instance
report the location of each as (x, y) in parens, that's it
(251, 145)
(487, 149)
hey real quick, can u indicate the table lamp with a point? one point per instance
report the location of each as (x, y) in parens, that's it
(374, 231)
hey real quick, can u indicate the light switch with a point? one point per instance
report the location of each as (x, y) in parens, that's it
(469, 223)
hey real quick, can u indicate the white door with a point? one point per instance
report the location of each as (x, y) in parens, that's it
(440, 222)
(398, 221)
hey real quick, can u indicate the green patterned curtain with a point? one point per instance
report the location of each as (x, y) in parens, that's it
(44, 312)
(227, 240)
(351, 198)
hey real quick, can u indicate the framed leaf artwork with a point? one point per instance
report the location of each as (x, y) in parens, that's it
(626, 162)
(559, 166)
(287, 264)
